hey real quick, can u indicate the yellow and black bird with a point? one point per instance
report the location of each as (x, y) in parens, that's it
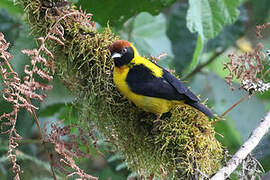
(148, 85)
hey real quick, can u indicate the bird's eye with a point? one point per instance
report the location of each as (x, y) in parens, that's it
(124, 50)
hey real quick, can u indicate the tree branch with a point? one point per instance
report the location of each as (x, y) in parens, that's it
(245, 149)
(201, 66)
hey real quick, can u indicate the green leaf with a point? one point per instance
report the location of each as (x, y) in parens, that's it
(108, 173)
(266, 103)
(217, 65)
(266, 164)
(11, 7)
(55, 107)
(69, 113)
(117, 12)
(182, 40)
(121, 166)
(226, 38)
(59, 94)
(196, 56)
(115, 157)
(50, 110)
(231, 138)
(208, 17)
(148, 34)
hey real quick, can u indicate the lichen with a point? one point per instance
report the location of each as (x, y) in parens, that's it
(184, 144)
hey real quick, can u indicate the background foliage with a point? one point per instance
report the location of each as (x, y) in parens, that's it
(189, 32)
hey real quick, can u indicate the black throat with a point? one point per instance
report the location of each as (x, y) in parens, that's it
(125, 59)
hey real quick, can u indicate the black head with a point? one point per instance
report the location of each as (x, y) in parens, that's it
(122, 52)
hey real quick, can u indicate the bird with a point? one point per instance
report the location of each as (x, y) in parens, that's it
(148, 85)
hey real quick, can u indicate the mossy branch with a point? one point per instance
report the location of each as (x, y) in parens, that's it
(185, 145)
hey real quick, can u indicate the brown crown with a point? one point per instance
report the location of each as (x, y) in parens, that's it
(119, 45)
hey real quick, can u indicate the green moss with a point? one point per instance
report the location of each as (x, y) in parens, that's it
(185, 141)
(188, 140)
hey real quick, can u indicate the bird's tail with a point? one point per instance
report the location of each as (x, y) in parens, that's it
(201, 108)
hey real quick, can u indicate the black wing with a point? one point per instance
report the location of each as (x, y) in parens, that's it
(179, 86)
(141, 81)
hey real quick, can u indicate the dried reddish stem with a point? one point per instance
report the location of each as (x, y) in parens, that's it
(248, 68)
(260, 28)
(68, 150)
(234, 105)
(12, 116)
(42, 139)
(40, 133)
(19, 93)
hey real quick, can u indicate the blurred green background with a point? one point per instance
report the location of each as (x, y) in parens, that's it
(190, 32)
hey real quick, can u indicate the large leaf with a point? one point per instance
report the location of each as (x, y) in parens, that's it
(195, 59)
(229, 33)
(208, 17)
(59, 94)
(117, 12)
(183, 41)
(230, 138)
(148, 33)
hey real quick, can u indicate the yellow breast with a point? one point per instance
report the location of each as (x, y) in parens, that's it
(149, 104)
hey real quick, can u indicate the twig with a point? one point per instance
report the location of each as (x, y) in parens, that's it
(233, 106)
(42, 139)
(199, 68)
(245, 149)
